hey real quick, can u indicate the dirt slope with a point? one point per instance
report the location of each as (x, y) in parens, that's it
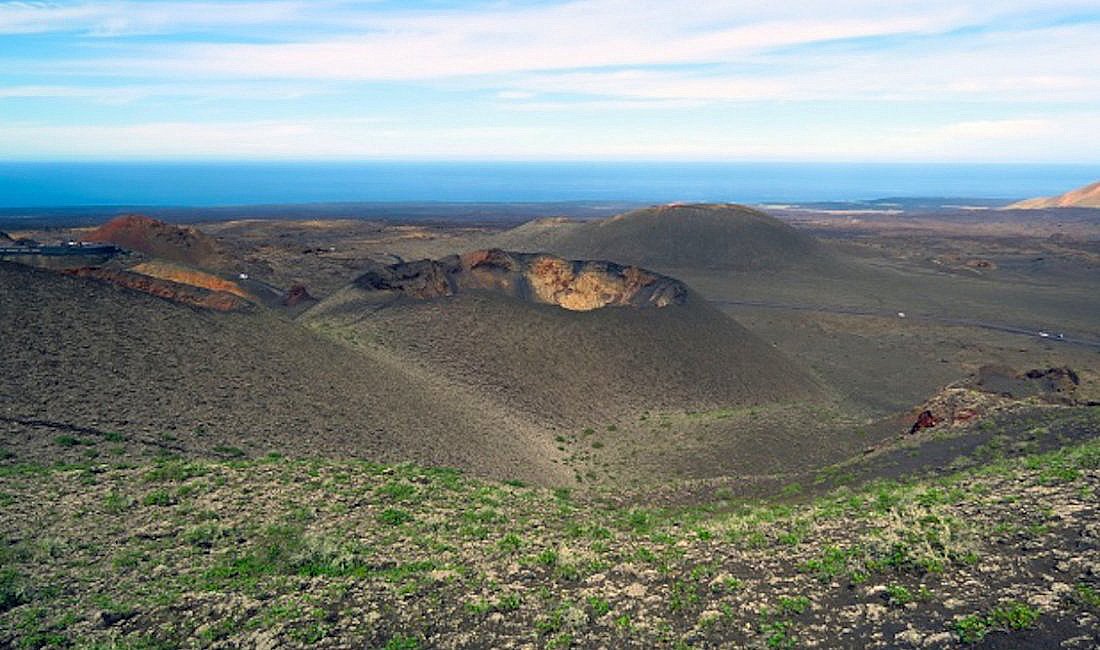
(1082, 197)
(82, 354)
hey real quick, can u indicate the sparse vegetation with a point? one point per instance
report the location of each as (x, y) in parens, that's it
(322, 539)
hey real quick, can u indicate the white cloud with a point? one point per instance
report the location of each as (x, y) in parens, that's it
(515, 94)
(601, 105)
(123, 94)
(116, 18)
(998, 129)
(336, 139)
(943, 78)
(559, 37)
(1072, 137)
(612, 49)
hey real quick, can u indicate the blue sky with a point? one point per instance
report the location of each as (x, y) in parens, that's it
(842, 80)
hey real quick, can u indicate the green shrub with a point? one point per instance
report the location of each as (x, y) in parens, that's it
(599, 606)
(394, 517)
(510, 543)
(14, 590)
(1087, 596)
(794, 605)
(70, 441)
(1013, 616)
(899, 595)
(116, 502)
(157, 498)
(402, 642)
(397, 490)
(174, 470)
(971, 629)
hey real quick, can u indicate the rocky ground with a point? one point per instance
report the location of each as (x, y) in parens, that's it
(292, 553)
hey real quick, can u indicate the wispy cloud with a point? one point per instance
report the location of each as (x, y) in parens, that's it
(335, 139)
(128, 18)
(557, 37)
(1028, 139)
(128, 93)
(711, 76)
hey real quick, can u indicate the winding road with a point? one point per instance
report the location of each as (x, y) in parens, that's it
(966, 322)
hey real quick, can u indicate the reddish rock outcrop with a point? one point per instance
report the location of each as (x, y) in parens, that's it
(158, 239)
(924, 421)
(995, 388)
(192, 277)
(573, 285)
(174, 291)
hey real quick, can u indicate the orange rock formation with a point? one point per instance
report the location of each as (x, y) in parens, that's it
(174, 291)
(192, 277)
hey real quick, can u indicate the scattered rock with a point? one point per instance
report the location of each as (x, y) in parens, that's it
(108, 618)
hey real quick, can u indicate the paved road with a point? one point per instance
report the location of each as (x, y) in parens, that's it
(851, 311)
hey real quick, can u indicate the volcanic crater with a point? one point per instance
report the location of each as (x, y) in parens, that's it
(540, 278)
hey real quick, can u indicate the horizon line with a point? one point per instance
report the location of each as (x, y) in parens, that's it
(565, 161)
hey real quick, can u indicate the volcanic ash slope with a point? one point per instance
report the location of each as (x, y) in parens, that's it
(723, 237)
(564, 342)
(91, 357)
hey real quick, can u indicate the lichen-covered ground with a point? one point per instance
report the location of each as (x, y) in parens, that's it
(277, 553)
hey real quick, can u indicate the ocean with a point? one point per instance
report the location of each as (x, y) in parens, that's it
(203, 184)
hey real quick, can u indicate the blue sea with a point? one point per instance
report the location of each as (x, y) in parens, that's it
(203, 184)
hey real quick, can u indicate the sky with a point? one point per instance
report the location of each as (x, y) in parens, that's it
(814, 80)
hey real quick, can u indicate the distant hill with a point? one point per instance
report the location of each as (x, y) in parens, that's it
(678, 236)
(158, 239)
(1082, 197)
(571, 367)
